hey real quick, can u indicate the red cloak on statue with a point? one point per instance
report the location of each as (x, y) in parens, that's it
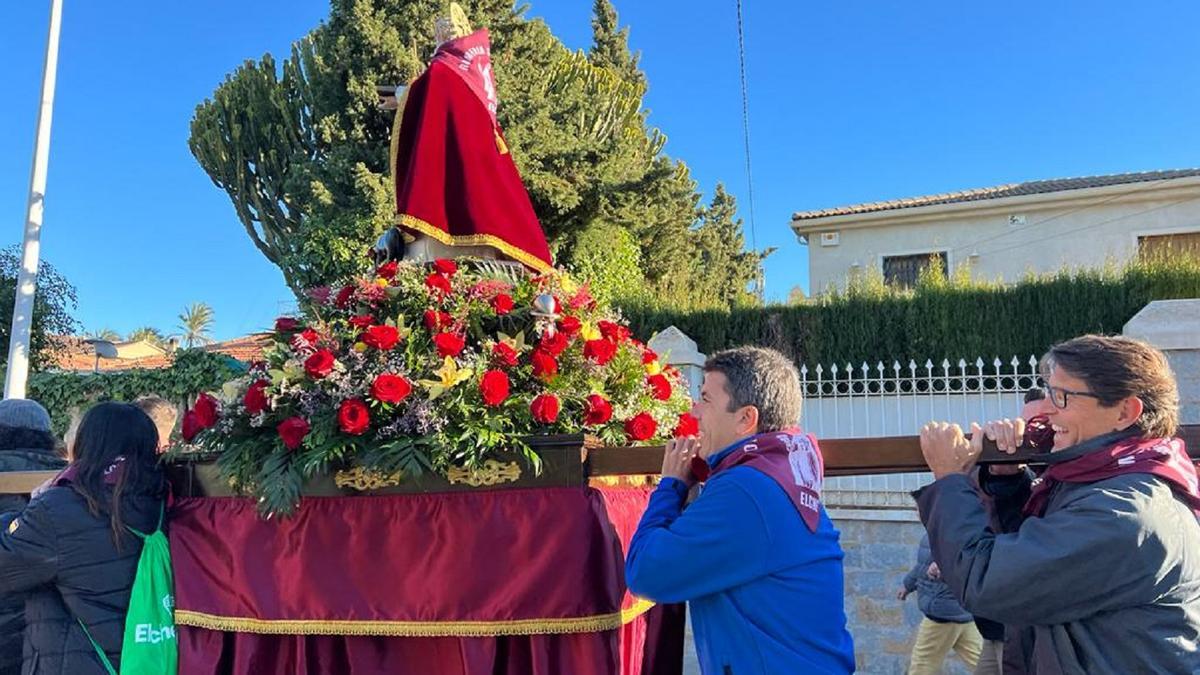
(455, 179)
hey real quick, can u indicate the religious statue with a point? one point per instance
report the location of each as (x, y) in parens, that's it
(458, 192)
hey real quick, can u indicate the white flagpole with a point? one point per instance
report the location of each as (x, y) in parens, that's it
(17, 372)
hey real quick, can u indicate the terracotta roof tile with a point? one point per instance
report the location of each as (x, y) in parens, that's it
(79, 356)
(999, 191)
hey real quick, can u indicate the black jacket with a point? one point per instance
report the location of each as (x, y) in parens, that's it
(66, 562)
(20, 450)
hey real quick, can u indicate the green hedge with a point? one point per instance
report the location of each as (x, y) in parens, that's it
(191, 372)
(940, 318)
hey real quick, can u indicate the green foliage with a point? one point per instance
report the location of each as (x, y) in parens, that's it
(940, 318)
(302, 150)
(195, 325)
(53, 302)
(609, 258)
(192, 371)
(148, 334)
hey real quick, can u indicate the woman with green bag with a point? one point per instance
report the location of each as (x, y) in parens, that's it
(74, 551)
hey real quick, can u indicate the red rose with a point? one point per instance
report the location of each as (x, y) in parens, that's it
(545, 408)
(504, 355)
(599, 351)
(545, 366)
(494, 387)
(438, 284)
(640, 427)
(597, 410)
(389, 388)
(688, 426)
(437, 320)
(570, 325)
(191, 426)
(447, 267)
(502, 303)
(319, 364)
(660, 386)
(292, 431)
(361, 321)
(449, 344)
(388, 270)
(286, 324)
(381, 337)
(343, 296)
(649, 356)
(353, 417)
(255, 399)
(206, 410)
(554, 344)
(613, 331)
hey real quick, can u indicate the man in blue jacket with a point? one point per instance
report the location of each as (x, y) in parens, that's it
(755, 555)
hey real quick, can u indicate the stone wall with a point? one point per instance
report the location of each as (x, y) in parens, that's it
(880, 548)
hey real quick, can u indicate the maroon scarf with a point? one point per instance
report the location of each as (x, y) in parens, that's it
(1165, 458)
(470, 57)
(68, 475)
(793, 460)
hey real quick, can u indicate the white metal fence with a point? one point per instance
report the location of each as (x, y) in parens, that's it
(869, 401)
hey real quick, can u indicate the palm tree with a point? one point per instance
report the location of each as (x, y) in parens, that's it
(148, 333)
(195, 324)
(106, 334)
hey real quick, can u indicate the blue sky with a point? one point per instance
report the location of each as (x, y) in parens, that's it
(849, 102)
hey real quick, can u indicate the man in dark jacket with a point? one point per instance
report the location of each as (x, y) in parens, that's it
(946, 624)
(26, 444)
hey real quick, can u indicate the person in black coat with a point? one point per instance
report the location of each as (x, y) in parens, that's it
(26, 444)
(69, 552)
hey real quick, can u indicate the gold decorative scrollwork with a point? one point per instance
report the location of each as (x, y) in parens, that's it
(491, 473)
(359, 478)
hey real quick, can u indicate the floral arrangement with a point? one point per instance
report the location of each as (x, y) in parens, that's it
(424, 368)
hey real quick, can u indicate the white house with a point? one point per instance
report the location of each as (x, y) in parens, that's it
(1003, 232)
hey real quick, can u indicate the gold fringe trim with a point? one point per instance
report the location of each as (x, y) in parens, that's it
(429, 230)
(394, 145)
(582, 624)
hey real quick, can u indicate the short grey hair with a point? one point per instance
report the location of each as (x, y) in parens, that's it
(763, 378)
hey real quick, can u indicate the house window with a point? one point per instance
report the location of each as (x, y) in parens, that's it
(904, 270)
(1164, 245)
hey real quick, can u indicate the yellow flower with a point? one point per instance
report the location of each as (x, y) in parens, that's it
(589, 331)
(360, 347)
(450, 375)
(653, 368)
(382, 282)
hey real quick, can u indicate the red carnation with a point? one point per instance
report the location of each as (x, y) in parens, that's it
(599, 351)
(545, 366)
(502, 303)
(438, 284)
(449, 344)
(191, 426)
(597, 410)
(554, 344)
(660, 386)
(613, 331)
(688, 426)
(437, 320)
(361, 321)
(494, 387)
(504, 355)
(310, 336)
(286, 324)
(570, 325)
(292, 431)
(649, 356)
(545, 408)
(390, 388)
(206, 410)
(255, 399)
(381, 337)
(640, 427)
(353, 417)
(447, 267)
(343, 296)
(388, 270)
(319, 364)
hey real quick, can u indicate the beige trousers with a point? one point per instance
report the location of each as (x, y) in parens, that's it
(935, 640)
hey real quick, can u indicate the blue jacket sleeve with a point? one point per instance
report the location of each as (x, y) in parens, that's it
(719, 542)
